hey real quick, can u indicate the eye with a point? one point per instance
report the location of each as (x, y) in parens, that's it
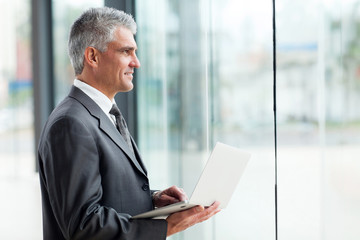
(127, 51)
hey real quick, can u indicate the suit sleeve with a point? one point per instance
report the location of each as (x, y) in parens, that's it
(70, 165)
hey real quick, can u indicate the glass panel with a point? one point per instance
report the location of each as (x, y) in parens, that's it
(202, 82)
(18, 180)
(16, 95)
(241, 96)
(171, 87)
(65, 12)
(319, 144)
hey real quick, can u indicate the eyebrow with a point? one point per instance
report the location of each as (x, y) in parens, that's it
(126, 48)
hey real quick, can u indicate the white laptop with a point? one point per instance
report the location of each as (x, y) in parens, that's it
(218, 181)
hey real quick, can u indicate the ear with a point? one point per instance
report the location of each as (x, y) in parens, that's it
(91, 56)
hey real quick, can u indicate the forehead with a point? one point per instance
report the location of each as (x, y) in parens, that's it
(123, 37)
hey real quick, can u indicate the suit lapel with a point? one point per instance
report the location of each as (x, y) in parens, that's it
(107, 127)
(138, 156)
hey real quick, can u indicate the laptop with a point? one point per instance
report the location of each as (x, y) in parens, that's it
(217, 182)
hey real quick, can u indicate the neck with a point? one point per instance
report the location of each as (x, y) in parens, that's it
(90, 80)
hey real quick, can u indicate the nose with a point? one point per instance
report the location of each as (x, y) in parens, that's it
(135, 63)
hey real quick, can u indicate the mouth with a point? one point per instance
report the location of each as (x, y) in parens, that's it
(129, 74)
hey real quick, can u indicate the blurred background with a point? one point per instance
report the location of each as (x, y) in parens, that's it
(206, 76)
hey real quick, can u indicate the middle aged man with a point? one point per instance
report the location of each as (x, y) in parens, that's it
(91, 173)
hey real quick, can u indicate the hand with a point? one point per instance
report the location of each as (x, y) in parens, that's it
(180, 221)
(169, 196)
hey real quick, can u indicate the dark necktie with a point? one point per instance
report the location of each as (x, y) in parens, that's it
(121, 125)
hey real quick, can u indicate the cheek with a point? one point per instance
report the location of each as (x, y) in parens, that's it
(122, 64)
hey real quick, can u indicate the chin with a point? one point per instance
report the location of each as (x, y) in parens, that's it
(127, 88)
(131, 86)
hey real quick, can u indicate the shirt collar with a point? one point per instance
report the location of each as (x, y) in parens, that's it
(99, 98)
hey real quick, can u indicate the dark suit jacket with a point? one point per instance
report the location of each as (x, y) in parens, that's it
(91, 182)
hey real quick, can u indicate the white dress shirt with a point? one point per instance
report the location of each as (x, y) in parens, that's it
(99, 98)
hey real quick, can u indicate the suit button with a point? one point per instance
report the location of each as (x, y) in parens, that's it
(145, 187)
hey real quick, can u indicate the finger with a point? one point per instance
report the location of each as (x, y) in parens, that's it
(189, 212)
(208, 212)
(216, 204)
(195, 215)
(179, 193)
(205, 216)
(215, 207)
(168, 199)
(176, 192)
(202, 211)
(168, 196)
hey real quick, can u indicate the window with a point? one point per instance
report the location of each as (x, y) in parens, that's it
(319, 86)
(206, 76)
(16, 99)
(64, 14)
(17, 159)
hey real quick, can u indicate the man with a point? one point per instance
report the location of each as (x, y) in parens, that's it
(91, 173)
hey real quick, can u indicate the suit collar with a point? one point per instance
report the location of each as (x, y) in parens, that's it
(97, 96)
(108, 127)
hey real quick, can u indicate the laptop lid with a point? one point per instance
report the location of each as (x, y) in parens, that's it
(220, 176)
(217, 182)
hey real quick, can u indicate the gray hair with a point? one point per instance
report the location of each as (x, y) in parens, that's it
(95, 28)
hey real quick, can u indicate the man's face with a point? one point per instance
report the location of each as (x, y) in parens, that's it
(117, 63)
